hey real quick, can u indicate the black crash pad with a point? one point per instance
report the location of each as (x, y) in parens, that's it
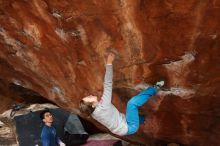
(29, 126)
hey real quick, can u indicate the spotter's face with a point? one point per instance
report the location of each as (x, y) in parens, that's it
(48, 118)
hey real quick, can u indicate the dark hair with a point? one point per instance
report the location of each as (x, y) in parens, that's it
(86, 107)
(43, 113)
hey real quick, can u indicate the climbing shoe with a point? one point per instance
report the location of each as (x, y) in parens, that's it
(159, 84)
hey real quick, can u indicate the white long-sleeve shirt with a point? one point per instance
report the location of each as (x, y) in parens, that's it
(105, 112)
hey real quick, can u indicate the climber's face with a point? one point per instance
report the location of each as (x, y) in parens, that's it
(48, 117)
(90, 98)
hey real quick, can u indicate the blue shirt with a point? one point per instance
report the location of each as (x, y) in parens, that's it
(49, 136)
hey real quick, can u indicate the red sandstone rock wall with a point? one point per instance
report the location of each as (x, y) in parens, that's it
(56, 48)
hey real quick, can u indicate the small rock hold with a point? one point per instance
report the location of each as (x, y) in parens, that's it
(75, 33)
(214, 36)
(56, 89)
(82, 63)
(173, 144)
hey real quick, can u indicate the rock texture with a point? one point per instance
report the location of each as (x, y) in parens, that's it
(56, 49)
(7, 133)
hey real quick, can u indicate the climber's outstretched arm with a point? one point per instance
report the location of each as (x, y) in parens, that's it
(107, 93)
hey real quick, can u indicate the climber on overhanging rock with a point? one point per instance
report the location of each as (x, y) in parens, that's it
(106, 113)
